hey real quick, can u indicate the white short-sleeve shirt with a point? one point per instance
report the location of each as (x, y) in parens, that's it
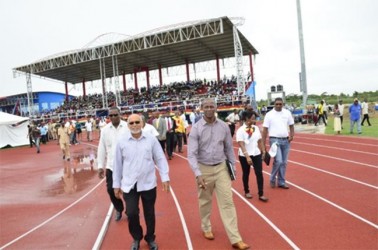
(278, 122)
(250, 142)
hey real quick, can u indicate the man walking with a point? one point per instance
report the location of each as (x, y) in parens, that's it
(210, 145)
(109, 135)
(276, 123)
(134, 177)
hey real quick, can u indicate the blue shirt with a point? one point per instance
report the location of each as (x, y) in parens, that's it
(134, 162)
(355, 112)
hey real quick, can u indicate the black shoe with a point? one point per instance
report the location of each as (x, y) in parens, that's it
(64, 157)
(135, 245)
(118, 216)
(152, 245)
(68, 159)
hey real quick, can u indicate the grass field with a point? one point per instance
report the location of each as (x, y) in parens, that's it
(369, 131)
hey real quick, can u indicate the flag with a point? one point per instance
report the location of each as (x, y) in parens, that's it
(16, 109)
(251, 89)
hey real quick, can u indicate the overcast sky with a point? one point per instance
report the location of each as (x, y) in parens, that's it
(340, 37)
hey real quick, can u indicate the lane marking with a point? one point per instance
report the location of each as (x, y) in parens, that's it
(53, 217)
(336, 148)
(334, 174)
(335, 158)
(338, 141)
(287, 239)
(104, 228)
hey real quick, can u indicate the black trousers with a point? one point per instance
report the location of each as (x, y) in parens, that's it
(170, 141)
(366, 117)
(257, 167)
(162, 144)
(132, 203)
(117, 203)
(232, 129)
(323, 118)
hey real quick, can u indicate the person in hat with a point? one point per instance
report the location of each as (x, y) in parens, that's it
(341, 110)
(365, 112)
(355, 112)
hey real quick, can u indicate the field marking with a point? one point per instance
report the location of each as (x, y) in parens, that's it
(338, 141)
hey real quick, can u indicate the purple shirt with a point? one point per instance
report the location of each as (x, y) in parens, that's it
(209, 143)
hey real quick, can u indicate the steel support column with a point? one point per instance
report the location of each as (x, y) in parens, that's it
(148, 78)
(103, 77)
(251, 66)
(66, 87)
(84, 90)
(218, 69)
(124, 81)
(30, 94)
(160, 76)
(239, 62)
(116, 80)
(187, 71)
(136, 80)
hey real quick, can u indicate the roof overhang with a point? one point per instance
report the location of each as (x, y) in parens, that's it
(190, 43)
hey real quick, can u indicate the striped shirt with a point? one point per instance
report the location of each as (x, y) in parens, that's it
(209, 144)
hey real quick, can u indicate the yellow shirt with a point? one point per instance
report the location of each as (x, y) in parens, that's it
(180, 124)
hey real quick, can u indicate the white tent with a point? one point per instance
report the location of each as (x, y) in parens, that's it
(13, 130)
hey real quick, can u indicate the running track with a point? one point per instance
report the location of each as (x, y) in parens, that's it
(332, 202)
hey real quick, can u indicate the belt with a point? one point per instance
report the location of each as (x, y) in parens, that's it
(212, 164)
(282, 138)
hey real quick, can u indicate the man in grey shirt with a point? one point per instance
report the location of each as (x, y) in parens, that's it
(210, 144)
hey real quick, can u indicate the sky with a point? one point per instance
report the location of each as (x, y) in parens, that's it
(340, 37)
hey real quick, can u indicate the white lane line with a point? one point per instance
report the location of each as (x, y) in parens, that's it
(287, 239)
(104, 228)
(336, 148)
(335, 158)
(183, 222)
(339, 141)
(53, 217)
(337, 175)
(336, 206)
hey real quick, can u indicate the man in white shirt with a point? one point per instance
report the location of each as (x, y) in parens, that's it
(231, 120)
(110, 134)
(149, 128)
(365, 112)
(88, 127)
(275, 123)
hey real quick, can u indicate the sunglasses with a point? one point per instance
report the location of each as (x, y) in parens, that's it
(136, 122)
(113, 115)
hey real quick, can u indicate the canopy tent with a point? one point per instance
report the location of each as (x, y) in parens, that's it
(13, 130)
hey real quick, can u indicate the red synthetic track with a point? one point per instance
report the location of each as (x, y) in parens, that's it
(332, 202)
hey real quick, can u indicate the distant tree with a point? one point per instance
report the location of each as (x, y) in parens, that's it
(355, 94)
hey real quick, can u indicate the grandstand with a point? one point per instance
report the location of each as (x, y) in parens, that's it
(181, 44)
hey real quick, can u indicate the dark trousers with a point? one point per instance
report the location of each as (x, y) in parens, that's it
(341, 120)
(170, 141)
(117, 203)
(162, 144)
(322, 117)
(232, 129)
(185, 138)
(366, 117)
(257, 166)
(178, 141)
(31, 141)
(132, 203)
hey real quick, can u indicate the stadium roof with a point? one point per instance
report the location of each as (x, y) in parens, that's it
(175, 45)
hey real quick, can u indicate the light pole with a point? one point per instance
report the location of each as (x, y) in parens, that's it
(302, 74)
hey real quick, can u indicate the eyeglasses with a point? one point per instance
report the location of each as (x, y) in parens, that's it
(113, 115)
(136, 122)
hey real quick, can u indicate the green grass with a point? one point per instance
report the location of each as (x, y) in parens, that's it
(368, 131)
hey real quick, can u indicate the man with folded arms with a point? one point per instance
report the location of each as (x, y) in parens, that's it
(210, 144)
(110, 134)
(276, 123)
